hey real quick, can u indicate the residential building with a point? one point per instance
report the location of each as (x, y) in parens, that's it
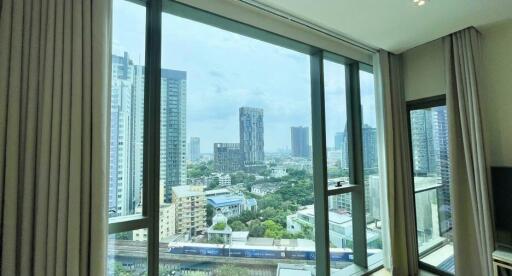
(173, 144)
(219, 231)
(195, 148)
(300, 141)
(190, 204)
(265, 188)
(226, 157)
(251, 135)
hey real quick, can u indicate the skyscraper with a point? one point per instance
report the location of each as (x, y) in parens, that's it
(339, 137)
(251, 135)
(127, 104)
(370, 158)
(173, 143)
(195, 148)
(423, 142)
(226, 157)
(300, 141)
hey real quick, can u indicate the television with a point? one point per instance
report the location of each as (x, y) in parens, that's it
(502, 197)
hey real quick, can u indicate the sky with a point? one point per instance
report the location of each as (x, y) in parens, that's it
(226, 70)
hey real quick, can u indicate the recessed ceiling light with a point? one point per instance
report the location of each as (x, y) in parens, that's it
(419, 3)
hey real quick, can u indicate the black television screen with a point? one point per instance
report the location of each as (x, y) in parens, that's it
(502, 191)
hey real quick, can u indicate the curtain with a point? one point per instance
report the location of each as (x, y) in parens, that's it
(472, 221)
(400, 229)
(54, 88)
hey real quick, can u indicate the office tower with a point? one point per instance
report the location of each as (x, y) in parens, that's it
(195, 148)
(300, 141)
(226, 157)
(423, 142)
(190, 209)
(251, 135)
(370, 158)
(440, 129)
(338, 140)
(127, 104)
(173, 144)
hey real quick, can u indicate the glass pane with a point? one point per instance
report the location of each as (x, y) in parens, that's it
(340, 232)
(127, 253)
(429, 138)
(244, 203)
(372, 184)
(336, 123)
(127, 109)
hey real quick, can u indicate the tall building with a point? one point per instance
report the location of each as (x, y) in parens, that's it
(300, 141)
(370, 158)
(195, 148)
(226, 157)
(422, 138)
(190, 204)
(126, 143)
(173, 143)
(440, 129)
(339, 138)
(251, 135)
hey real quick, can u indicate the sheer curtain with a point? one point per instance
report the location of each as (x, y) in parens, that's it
(54, 74)
(399, 231)
(472, 220)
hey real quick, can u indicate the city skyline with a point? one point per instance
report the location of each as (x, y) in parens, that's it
(213, 74)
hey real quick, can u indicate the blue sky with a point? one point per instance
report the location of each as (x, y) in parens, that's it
(227, 70)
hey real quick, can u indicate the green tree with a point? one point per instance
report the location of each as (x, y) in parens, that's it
(238, 226)
(209, 214)
(273, 229)
(256, 229)
(219, 226)
(214, 184)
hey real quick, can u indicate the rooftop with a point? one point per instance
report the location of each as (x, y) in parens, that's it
(188, 190)
(225, 200)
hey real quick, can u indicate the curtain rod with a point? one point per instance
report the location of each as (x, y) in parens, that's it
(309, 25)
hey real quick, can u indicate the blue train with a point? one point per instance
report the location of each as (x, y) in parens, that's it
(263, 252)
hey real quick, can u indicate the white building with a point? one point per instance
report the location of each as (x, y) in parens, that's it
(340, 227)
(278, 172)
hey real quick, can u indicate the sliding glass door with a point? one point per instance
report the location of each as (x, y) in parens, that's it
(235, 151)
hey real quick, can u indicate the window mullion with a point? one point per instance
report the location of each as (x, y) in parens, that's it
(319, 165)
(355, 152)
(152, 129)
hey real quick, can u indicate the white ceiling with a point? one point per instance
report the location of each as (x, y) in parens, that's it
(395, 25)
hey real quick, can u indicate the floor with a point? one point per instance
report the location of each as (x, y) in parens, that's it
(384, 272)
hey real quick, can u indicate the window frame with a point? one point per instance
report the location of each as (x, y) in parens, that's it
(423, 103)
(149, 219)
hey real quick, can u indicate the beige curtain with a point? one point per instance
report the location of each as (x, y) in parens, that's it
(54, 74)
(399, 188)
(472, 221)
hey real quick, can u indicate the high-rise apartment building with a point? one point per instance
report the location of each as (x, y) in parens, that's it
(370, 158)
(300, 141)
(126, 144)
(226, 157)
(173, 144)
(190, 202)
(422, 138)
(195, 148)
(251, 135)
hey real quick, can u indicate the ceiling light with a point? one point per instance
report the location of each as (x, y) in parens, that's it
(420, 3)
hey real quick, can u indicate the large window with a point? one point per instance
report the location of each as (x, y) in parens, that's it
(235, 151)
(430, 164)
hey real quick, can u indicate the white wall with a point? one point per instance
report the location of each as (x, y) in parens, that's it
(496, 87)
(424, 76)
(423, 68)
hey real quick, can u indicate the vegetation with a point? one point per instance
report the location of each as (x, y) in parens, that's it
(238, 226)
(200, 170)
(219, 226)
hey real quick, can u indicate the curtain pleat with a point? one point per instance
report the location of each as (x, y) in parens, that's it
(472, 221)
(54, 89)
(399, 188)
